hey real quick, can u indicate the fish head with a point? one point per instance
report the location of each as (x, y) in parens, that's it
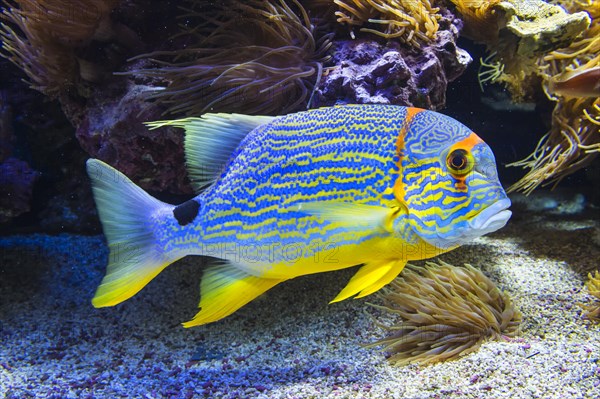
(450, 185)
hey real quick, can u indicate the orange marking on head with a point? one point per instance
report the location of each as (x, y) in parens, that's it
(468, 143)
(398, 186)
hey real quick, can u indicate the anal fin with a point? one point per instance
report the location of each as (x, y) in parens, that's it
(387, 278)
(370, 278)
(224, 289)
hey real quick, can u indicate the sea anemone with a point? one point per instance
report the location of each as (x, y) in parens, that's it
(254, 57)
(40, 37)
(481, 20)
(574, 137)
(592, 311)
(572, 143)
(412, 22)
(446, 312)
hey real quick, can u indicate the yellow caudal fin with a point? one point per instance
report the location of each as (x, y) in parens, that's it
(370, 278)
(124, 210)
(224, 289)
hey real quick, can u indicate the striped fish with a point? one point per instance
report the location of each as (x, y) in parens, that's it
(310, 192)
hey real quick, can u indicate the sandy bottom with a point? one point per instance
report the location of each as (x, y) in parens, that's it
(290, 343)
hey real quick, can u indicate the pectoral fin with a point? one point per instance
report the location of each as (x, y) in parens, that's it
(224, 289)
(371, 216)
(370, 278)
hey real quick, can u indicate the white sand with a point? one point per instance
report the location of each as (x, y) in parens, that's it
(289, 343)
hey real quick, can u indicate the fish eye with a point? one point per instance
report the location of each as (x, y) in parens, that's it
(459, 162)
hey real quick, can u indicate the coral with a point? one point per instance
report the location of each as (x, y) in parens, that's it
(574, 138)
(520, 28)
(412, 22)
(67, 49)
(252, 57)
(592, 311)
(446, 312)
(366, 71)
(528, 39)
(541, 27)
(41, 37)
(516, 33)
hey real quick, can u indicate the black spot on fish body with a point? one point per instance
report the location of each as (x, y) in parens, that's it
(186, 212)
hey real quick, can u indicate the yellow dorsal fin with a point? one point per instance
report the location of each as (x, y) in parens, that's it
(224, 289)
(210, 140)
(369, 278)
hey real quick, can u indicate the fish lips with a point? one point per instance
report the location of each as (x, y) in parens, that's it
(491, 218)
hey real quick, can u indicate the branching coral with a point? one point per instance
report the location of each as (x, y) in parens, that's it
(574, 138)
(259, 57)
(592, 311)
(40, 37)
(410, 21)
(446, 312)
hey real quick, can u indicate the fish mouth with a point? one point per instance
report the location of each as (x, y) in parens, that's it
(487, 221)
(491, 218)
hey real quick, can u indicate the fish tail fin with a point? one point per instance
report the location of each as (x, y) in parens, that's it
(126, 212)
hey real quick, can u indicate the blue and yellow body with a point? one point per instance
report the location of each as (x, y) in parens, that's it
(303, 193)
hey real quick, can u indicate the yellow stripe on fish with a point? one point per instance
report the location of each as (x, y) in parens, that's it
(309, 192)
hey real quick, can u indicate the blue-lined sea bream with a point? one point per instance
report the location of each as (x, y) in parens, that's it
(309, 192)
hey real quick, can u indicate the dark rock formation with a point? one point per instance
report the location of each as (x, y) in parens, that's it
(367, 71)
(113, 130)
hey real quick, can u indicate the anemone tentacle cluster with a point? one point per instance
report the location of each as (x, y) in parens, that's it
(592, 311)
(445, 311)
(40, 37)
(257, 56)
(412, 22)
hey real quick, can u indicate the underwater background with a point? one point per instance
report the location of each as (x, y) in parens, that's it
(79, 78)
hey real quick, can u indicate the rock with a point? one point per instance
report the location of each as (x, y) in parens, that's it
(367, 71)
(113, 130)
(540, 27)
